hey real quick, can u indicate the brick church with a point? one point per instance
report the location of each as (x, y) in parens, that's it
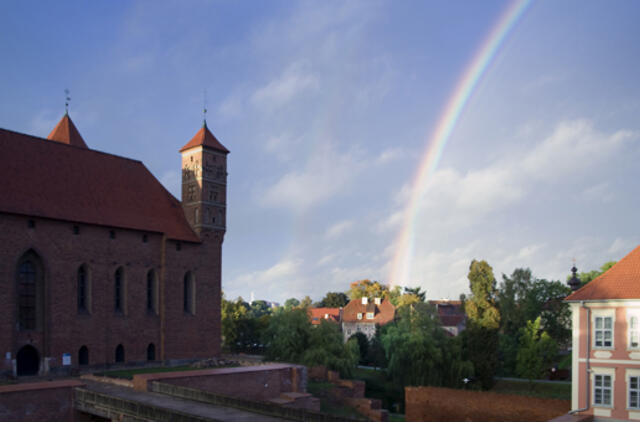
(99, 263)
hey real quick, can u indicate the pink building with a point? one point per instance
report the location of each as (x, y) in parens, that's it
(606, 343)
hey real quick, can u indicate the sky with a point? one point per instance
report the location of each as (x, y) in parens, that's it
(328, 108)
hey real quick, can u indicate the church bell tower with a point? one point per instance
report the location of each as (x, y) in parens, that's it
(204, 182)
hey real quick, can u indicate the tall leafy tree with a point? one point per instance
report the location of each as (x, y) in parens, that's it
(334, 300)
(536, 352)
(291, 303)
(481, 306)
(368, 288)
(481, 336)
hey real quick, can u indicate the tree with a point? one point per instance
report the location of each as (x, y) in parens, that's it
(260, 308)
(369, 289)
(334, 300)
(306, 302)
(481, 336)
(290, 338)
(419, 351)
(536, 352)
(291, 303)
(363, 345)
(416, 291)
(480, 307)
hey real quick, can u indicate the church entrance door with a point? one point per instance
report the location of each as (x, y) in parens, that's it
(28, 361)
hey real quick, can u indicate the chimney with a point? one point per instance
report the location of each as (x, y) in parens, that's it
(365, 300)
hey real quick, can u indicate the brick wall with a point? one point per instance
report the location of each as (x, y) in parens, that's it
(444, 404)
(65, 330)
(38, 402)
(253, 383)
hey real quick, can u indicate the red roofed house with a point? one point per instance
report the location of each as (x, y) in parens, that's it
(100, 263)
(451, 315)
(606, 343)
(362, 315)
(328, 314)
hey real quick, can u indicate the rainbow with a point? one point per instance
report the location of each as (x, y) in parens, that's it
(401, 262)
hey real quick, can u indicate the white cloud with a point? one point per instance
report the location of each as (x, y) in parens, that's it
(338, 229)
(600, 192)
(296, 80)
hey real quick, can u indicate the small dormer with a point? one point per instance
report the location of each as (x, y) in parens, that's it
(377, 300)
(365, 300)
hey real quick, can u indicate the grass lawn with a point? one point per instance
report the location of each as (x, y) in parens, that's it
(129, 373)
(544, 390)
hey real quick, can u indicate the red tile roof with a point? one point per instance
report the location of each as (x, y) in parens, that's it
(451, 320)
(67, 133)
(622, 281)
(330, 314)
(54, 180)
(383, 313)
(204, 137)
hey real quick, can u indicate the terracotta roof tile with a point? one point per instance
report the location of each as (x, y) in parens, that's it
(384, 313)
(67, 133)
(318, 314)
(622, 281)
(205, 138)
(53, 180)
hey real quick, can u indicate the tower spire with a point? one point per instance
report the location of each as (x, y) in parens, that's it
(67, 99)
(204, 111)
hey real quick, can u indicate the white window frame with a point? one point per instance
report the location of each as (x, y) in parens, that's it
(603, 372)
(633, 373)
(633, 313)
(369, 315)
(603, 314)
(359, 316)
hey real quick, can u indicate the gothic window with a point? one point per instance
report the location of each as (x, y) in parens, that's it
(151, 352)
(191, 193)
(152, 292)
(196, 216)
(29, 290)
(119, 290)
(84, 289)
(120, 353)
(189, 291)
(27, 295)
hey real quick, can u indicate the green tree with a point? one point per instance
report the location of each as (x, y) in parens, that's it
(481, 307)
(306, 302)
(481, 338)
(290, 337)
(536, 352)
(368, 288)
(334, 300)
(417, 292)
(260, 308)
(419, 351)
(291, 303)
(363, 346)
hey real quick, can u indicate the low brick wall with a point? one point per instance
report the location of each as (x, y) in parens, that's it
(255, 406)
(424, 404)
(254, 382)
(38, 402)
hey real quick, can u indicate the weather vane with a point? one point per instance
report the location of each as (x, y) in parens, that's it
(66, 102)
(204, 111)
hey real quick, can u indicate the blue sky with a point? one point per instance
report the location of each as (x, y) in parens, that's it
(327, 108)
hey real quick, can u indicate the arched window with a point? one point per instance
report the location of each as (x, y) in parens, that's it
(83, 356)
(120, 353)
(119, 291)
(151, 352)
(189, 294)
(84, 289)
(152, 292)
(30, 292)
